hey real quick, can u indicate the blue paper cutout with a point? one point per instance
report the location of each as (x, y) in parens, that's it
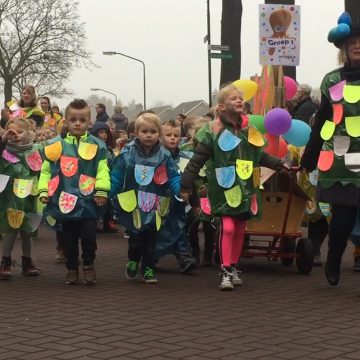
(225, 176)
(325, 208)
(313, 177)
(228, 141)
(144, 174)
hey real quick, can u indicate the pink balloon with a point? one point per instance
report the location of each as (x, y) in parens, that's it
(290, 87)
(277, 121)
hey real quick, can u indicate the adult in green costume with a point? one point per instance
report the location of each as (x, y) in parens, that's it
(334, 144)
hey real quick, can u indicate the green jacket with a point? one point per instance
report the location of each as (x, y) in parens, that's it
(72, 173)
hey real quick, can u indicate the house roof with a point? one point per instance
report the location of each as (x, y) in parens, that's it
(185, 108)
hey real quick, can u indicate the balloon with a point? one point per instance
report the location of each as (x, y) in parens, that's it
(248, 87)
(290, 87)
(258, 122)
(277, 121)
(299, 133)
(276, 146)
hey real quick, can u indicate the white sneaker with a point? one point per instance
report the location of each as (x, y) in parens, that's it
(235, 277)
(225, 280)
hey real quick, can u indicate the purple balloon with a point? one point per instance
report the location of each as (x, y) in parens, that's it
(277, 121)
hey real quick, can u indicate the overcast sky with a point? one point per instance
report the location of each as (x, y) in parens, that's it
(168, 36)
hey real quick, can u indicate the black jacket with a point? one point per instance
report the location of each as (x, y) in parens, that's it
(304, 110)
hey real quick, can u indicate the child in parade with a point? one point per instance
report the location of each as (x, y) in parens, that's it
(141, 179)
(74, 181)
(20, 164)
(172, 235)
(232, 151)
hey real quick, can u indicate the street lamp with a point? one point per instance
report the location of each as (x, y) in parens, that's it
(131, 57)
(109, 92)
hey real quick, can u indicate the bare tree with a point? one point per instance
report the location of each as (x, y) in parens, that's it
(41, 41)
(353, 8)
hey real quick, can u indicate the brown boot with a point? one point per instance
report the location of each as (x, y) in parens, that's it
(60, 256)
(72, 277)
(28, 267)
(5, 268)
(89, 274)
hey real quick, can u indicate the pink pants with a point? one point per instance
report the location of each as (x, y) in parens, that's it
(231, 240)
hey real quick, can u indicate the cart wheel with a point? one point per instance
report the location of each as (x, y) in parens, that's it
(289, 248)
(305, 256)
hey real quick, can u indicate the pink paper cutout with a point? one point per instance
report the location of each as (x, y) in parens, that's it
(205, 205)
(160, 175)
(53, 185)
(338, 111)
(11, 158)
(326, 160)
(254, 205)
(34, 161)
(336, 91)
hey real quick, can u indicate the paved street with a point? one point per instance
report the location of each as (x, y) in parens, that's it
(277, 314)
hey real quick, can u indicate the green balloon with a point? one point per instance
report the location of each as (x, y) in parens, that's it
(258, 122)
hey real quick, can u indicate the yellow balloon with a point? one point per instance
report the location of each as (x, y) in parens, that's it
(248, 87)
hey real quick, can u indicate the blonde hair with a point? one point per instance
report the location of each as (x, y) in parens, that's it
(147, 118)
(343, 58)
(21, 122)
(32, 91)
(225, 91)
(193, 124)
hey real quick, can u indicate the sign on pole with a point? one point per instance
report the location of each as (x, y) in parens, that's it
(220, 47)
(279, 34)
(222, 55)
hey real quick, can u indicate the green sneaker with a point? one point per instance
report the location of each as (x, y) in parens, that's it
(132, 268)
(149, 276)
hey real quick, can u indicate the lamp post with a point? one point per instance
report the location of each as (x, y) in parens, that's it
(109, 92)
(132, 58)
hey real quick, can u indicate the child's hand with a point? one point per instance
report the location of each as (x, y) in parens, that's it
(44, 199)
(185, 196)
(100, 200)
(10, 133)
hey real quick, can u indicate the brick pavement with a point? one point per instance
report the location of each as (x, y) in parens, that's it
(277, 314)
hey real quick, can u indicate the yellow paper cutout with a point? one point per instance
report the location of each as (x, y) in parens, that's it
(352, 124)
(182, 163)
(53, 151)
(39, 206)
(351, 93)
(327, 130)
(255, 137)
(22, 187)
(233, 196)
(256, 177)
(50, 220)
(87, 151)
(202, 171)
(163, 205)
(136, 218)
(127, 200)
(244, 168)
(158, 220)
(34, 187)
(15, 218)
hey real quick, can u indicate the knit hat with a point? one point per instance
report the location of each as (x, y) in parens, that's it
(100, 126)
(344, 30)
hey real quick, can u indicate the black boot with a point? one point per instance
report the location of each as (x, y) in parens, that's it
(5, 268)
(28, 267)
(332, 272)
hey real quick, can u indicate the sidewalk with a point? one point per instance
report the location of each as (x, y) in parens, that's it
(277, 314)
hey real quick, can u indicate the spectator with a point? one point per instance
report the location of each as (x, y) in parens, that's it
(305, 106)
(101, 114)
(180, 118)
(120, 120)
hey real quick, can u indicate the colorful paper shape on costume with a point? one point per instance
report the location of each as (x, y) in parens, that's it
(233, 196)
(314, 177)
(326, 160)
(69, 165)
(244, 168)
(205, 205)
(337, 91)
(86, 184)
(136, 218)
(254, 208)
(53, 151)
(146, 201)
(22, 187)
(15, 218)
(327, 131)
(157, 220)
(39, 206)
(255, 137)
(352, 124)
(4, 179)
(50, 220)
(160, 175)
(338, 112)
(33, 220)
(11, 158)
(352, 161)
(202, 171)
(87, 151)
(144, 174)
(182, 163)
(228, 141)
(325, 208)
(341, 145)
(162, 205)
(127, 200)
(351, 93)
(265, 174)
(53, 185)
(67, 202)
(34, 187)
(225, 176)
(256, 177)
(34, 161)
